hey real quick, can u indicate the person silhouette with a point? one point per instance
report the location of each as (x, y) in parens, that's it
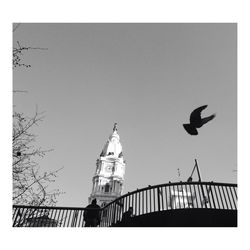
(128, 214)
(91, 215)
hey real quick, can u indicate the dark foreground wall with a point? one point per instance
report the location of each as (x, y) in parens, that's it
(184, 218)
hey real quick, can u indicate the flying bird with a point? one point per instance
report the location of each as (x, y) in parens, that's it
(196, 121)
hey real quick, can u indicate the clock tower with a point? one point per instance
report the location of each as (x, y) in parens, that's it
(110, 169)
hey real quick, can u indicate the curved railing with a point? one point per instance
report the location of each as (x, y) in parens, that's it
(41, 216)
(169, 196)
(180, 195)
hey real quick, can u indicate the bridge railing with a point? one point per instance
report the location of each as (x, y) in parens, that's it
(31, 216)
(181, 195)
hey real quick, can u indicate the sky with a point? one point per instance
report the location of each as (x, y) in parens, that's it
(147, 78)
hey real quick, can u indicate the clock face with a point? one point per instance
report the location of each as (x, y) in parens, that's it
(108, 169)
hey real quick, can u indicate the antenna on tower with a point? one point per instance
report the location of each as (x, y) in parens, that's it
(179, 174)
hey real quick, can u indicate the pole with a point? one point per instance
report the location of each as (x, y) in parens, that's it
(202, 190)
(198, 171)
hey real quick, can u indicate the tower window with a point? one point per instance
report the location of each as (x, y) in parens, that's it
(107, 187)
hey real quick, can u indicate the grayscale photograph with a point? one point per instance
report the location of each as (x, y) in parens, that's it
(124, 125)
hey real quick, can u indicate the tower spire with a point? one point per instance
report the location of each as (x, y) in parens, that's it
(115, 127)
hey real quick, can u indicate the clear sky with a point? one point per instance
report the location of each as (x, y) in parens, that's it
(147, 78)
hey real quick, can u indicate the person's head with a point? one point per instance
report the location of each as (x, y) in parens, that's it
(93, 201)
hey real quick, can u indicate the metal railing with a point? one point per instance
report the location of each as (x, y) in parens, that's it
(30, 216)
(181, 195)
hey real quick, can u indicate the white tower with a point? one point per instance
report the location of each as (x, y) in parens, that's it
(110, 169)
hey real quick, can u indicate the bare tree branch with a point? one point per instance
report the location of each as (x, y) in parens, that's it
(17, 53)
(16, 27)
(29, 184)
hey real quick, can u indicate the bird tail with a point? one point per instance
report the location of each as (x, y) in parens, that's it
(190, 129)
(207, 119)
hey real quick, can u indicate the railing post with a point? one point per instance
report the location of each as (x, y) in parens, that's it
(113, 219)
(158, 197)
(204, 197)
(18, 214)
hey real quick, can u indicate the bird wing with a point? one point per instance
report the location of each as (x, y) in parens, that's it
(207, 119)
(195, 116)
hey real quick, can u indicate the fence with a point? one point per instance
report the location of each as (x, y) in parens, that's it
(181, 195)
(30, 216)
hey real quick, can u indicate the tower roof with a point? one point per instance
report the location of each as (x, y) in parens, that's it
(113, 146)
